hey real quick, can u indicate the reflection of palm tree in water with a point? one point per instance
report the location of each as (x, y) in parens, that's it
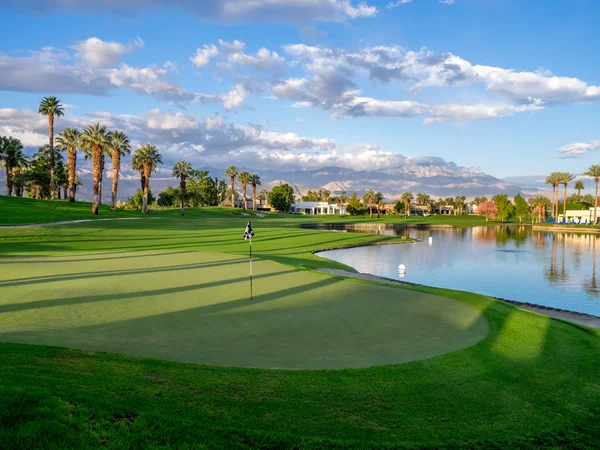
(591, 287)
(552, 272)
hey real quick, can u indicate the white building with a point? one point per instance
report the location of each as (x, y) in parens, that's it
(317, 208)
(580, 215)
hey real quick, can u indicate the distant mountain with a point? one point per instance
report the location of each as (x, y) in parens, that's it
(436, 179)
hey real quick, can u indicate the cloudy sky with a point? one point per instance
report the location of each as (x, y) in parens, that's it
(508, 86)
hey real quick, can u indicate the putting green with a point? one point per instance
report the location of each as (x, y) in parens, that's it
(194, 306)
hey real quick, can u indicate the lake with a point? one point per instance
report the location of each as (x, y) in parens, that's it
(512, 262)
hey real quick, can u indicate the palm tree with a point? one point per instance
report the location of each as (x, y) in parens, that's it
(554, 179)
(368, 198)
(423, 199)
(379, 200)
(262, 195)
(118, 144)
(51, 107)
(138, 166)
(254, 181)
(93, 141)
(11, 157)
(565, 179)
(407, 199)
(182, 170)
(148, 158)
(244, 178)
(579, 186)
(68, 141)
(594, 171)
(232, 172)
(343, 197)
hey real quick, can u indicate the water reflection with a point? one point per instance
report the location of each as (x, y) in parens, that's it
(514, 262)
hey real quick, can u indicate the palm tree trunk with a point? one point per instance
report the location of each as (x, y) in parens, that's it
(65, 191)
(565, 203)
(8, 182)
(72, 163)
(244, 191)
(96, 168)
(182, 185)
(146, 187)
(254, 197)
(51, 139)
(232, 181)
(596, 201)
(116, 163)
(370, 208)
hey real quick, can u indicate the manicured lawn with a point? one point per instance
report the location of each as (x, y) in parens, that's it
(155, 287)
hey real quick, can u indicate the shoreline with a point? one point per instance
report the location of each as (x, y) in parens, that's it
(567, 229)
(575, 317)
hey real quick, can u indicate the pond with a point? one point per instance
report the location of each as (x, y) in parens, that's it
(512, 262)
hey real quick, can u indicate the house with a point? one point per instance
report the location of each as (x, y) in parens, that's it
(317, 208)
(579, 215)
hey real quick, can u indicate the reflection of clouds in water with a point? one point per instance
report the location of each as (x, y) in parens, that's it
(512, 262)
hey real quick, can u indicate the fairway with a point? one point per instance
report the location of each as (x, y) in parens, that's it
(195, 307)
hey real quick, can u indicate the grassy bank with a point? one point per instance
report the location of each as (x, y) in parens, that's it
(532, 382)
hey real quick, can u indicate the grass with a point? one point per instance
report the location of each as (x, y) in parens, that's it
(532, 382)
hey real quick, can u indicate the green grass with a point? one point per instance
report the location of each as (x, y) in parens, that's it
(532, 382)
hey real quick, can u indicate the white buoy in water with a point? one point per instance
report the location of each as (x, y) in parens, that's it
(430, 239)
(401, 268)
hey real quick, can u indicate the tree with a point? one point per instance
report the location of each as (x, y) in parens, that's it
(169, 197)
(68, 141)
(137, 201)
(119, 146)
(423, 199)
(505, 208)
(554, 180)
(182, 170)
(479, 200)
(379, 197)
(487, 209)
(148, 158)
(594, 172)
(407, 199)
(521, 207)
(368, 199)
(343, 197)
(37, 180)
(11, 157)
(92, 142)
(355, 207)
(244, 178)
(565, 179)
(51, 107)
(232, 172)
(254, 181)
(540, 205)
(281, 197)
(580, 187)
(262, 195)
(325, 194)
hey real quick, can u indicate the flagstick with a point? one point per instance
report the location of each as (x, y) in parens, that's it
(251, 267)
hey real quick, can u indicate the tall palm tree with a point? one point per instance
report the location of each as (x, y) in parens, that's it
(118, 144)
(554, 179)
(343, 197)
(254, 181)
(51, 107)
(68, 141)
(93, 141)
(182, 170)
(368, 198)
(579, 186)
(232, 172)
(379, 200)
(138, 166)
(244, 178)
(407, 199)
(594, 171)
(565, 179)
(12, 158)
(149, 158)
(262, 195)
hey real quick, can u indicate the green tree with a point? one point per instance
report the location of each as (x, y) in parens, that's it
(479, 200)
(11, 157)
(137, 201)
(232, 172)
(368, 199)
(565, 179)
(354, 207)
(262, 195)
(68, 141)
(594, 172)
(148, 158)
(182, 170)
(580, 187)
(540, 205)
(169, 197)
(119, 146)
(505, 208)
(379, 197)
(521, 207)
(245, 179)
(343, 197)
(281, 197)
(254, 181)
(407, 199)
(554, 180)
(51, 107)
(93, 141)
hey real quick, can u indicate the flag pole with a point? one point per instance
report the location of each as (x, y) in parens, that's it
(251, 267)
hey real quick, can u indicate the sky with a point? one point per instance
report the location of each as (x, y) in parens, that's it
(508, 87)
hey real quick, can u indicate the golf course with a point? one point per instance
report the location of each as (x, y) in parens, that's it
(141, 332)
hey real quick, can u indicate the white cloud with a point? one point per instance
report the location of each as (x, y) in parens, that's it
(579, 148)
(204, 55)
(447, 2)
(395, 4)
(95, 52)
(286, 11)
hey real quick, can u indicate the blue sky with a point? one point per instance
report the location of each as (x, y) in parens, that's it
(507, 86)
